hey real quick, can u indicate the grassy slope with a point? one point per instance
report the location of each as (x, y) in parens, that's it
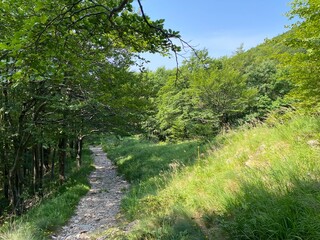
(52, 213)
(261, 183)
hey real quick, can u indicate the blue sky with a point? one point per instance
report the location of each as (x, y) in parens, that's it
(221, 26)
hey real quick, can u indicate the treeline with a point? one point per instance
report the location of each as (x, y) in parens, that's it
(214, 94)
(64, 73)
(210, 94)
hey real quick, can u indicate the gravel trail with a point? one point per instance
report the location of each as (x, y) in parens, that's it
(97, 210)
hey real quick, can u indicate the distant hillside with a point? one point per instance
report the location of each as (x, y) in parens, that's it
(269, 49)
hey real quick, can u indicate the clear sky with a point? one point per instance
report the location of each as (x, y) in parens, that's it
(221, 26)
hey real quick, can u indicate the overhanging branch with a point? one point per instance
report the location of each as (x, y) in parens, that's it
(119, 8)
(168, 36)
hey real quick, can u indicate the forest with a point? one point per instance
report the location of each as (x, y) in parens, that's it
(66, 80)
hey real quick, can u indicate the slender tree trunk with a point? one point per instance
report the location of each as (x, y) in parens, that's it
(62, 158)
(35, 169)
(71, 148)
(7, 124)
(79, 151)
(14, 195)
(15, 183)
(75, 147)
(6, 182)
(52, 157)
(25, 166)
(46, 158)
(15, 186)
(4, 155)
(41, 156)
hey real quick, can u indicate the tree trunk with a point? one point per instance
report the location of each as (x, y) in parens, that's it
(7, 122)
(46, 158)
(15, 183)
(62, 158)
(35, 169)
(6, 182)
(79, 151)
(52, 157)
(41, 156)
(5, 172)
(71, 148)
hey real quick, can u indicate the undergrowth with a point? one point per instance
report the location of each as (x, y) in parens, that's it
(50, 214)
(253, 183)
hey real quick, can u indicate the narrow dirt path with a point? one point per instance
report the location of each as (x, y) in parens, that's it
(98, 209)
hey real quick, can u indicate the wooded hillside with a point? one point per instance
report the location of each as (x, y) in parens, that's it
(65, 75)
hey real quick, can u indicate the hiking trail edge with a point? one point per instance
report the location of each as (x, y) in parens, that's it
(98, 209)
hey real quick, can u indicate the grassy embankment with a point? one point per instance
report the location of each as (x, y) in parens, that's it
(259, 183)
(50, 214)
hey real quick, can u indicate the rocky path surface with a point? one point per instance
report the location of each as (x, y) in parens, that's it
(98, 209)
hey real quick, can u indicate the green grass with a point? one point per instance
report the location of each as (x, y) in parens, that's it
(149, 167)
(42, 220)
(259, 183)
(135, 157)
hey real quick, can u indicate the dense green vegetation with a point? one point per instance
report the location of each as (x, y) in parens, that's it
(53, 211)
(65, 74)
(215, 94)
(254, 183)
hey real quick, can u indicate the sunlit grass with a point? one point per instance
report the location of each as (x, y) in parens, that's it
(259, 183)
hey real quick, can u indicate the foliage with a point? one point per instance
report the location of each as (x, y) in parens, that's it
(304, 70)
(213, 94)
(267, 78)
(64, 72)
(223, 91)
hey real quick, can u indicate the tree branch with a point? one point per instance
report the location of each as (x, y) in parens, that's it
(54, 19)
(118, 9)
(168, 37)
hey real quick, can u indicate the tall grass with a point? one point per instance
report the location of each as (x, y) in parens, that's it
(41, 221)
(260, 183)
